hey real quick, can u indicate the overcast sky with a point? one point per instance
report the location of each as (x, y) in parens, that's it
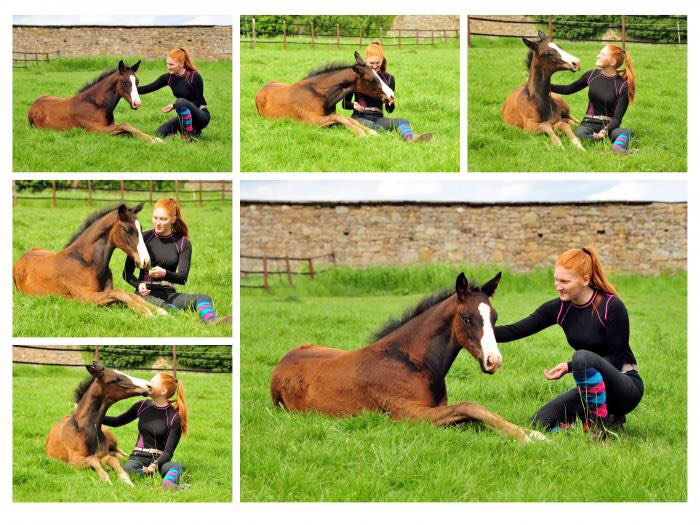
(467, 191)
(125, 20)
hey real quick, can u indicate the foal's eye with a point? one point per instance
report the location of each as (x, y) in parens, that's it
(124, 83)
(467, 319)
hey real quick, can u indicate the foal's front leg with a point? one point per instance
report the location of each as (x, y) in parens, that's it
(467, 411)
(113, 462)
(120, 129)
(132, 300)
(566, 128)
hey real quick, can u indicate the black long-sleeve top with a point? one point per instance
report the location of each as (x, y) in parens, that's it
(173, 253)
(190, 86)
(371, 102)
(159, 427)
(607, 96)
(603, 328)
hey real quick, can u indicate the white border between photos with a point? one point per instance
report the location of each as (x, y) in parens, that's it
(307, 513)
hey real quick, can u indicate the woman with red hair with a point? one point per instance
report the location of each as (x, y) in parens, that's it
(596, 325)
(170, 250)
(162, 422)
(187, 86)
(610, 92)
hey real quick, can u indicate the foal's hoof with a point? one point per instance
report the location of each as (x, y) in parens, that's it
(372, 133)
(156, 140)
(160, 311)
(533, 435)
(126, 479)
(579, 146)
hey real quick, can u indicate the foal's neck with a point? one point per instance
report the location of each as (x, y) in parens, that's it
(336, 86)
(104, 95)
(539, 85)
(91, 409)
(94, 244)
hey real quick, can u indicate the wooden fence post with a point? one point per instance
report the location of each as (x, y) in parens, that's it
(284, 32)
(337, 36)
(201, 203)
(432, 36)
(549, 26)
(253, 33)
(417, 40)
(53, 193)
(97, 353)
(399, 39)
(624, 33)
(311, 268)
(175, 361)
(177, 191)
(150, 191)
(121, 190)
(313, 36)
(289, 270)
(265, 272)
(469, 32)
(89, 192)
(360, 37)
(223, 189)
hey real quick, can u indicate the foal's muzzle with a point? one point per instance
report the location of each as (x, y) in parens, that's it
(492, 364)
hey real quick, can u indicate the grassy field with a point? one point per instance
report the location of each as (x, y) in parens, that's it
(76, 150)
(308, 457)
(658, 118)
(42, 395)
(211, 236)
(429, 102)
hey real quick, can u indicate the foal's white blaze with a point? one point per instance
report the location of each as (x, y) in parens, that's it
(566, 57)
(135, 100)
(489, 348)
(386, 89)
(137, 382)
(144, 259)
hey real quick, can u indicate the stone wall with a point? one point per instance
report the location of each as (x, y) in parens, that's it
(201, 42)
(426, 25)
(46, 355)
(637, 237)
(527, 27)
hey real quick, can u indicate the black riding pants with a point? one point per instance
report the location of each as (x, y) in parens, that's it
(181, 301)
(200, 119)
(590, 125)
(375, 120)
(623, 393)
(138, 459)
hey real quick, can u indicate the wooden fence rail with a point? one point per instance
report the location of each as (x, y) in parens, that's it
(266, 272)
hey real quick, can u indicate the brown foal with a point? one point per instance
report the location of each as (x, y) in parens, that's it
(81, 269)
(403, 371)
(79, 439)
(313, 99)
(532, 106)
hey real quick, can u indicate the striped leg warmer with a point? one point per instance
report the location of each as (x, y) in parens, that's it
(591, 388)
(621, 142)
(185, 120)
(172, 477)
(206, 311)
(404, 129)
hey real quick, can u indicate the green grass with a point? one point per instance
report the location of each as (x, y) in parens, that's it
(658, 118)
(308, 457)
(44, 150)
(43, 395)
(210, 273)
(429, 101)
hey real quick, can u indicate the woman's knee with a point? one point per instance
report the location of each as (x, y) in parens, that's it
(180, 104)
(583, 359)
(583, 132)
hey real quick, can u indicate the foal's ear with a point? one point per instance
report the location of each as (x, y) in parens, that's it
(135, 67)
(122, 67)
(462, 287)
(137, 208)
(123, 212)
(95, 369)
(541, 36)
(490, 287)
(358, 59)
(532, 45)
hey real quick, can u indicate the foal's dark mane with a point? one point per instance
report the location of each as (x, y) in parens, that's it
(95, 216)
(331, 67)
(423, 305)
(82, 388)
(528, 59)
(96, 80)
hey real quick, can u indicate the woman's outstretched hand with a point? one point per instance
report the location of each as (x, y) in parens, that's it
(168, 108)
(600, 134)
(557, 372)
(150, 469)
(157, 272)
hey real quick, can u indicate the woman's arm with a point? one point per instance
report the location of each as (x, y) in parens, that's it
(128, 273)
(123, 419)
(574, 87)
(543, 317)
(183, 265)
(197, 87)
(617, 330)
(620, 108)
(158, 83)
(171, 443)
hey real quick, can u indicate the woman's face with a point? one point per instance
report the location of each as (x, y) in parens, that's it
(174, 67)
(374, 62)
(570, 285)
(157, 387)
(162, 222)
(605, 58)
